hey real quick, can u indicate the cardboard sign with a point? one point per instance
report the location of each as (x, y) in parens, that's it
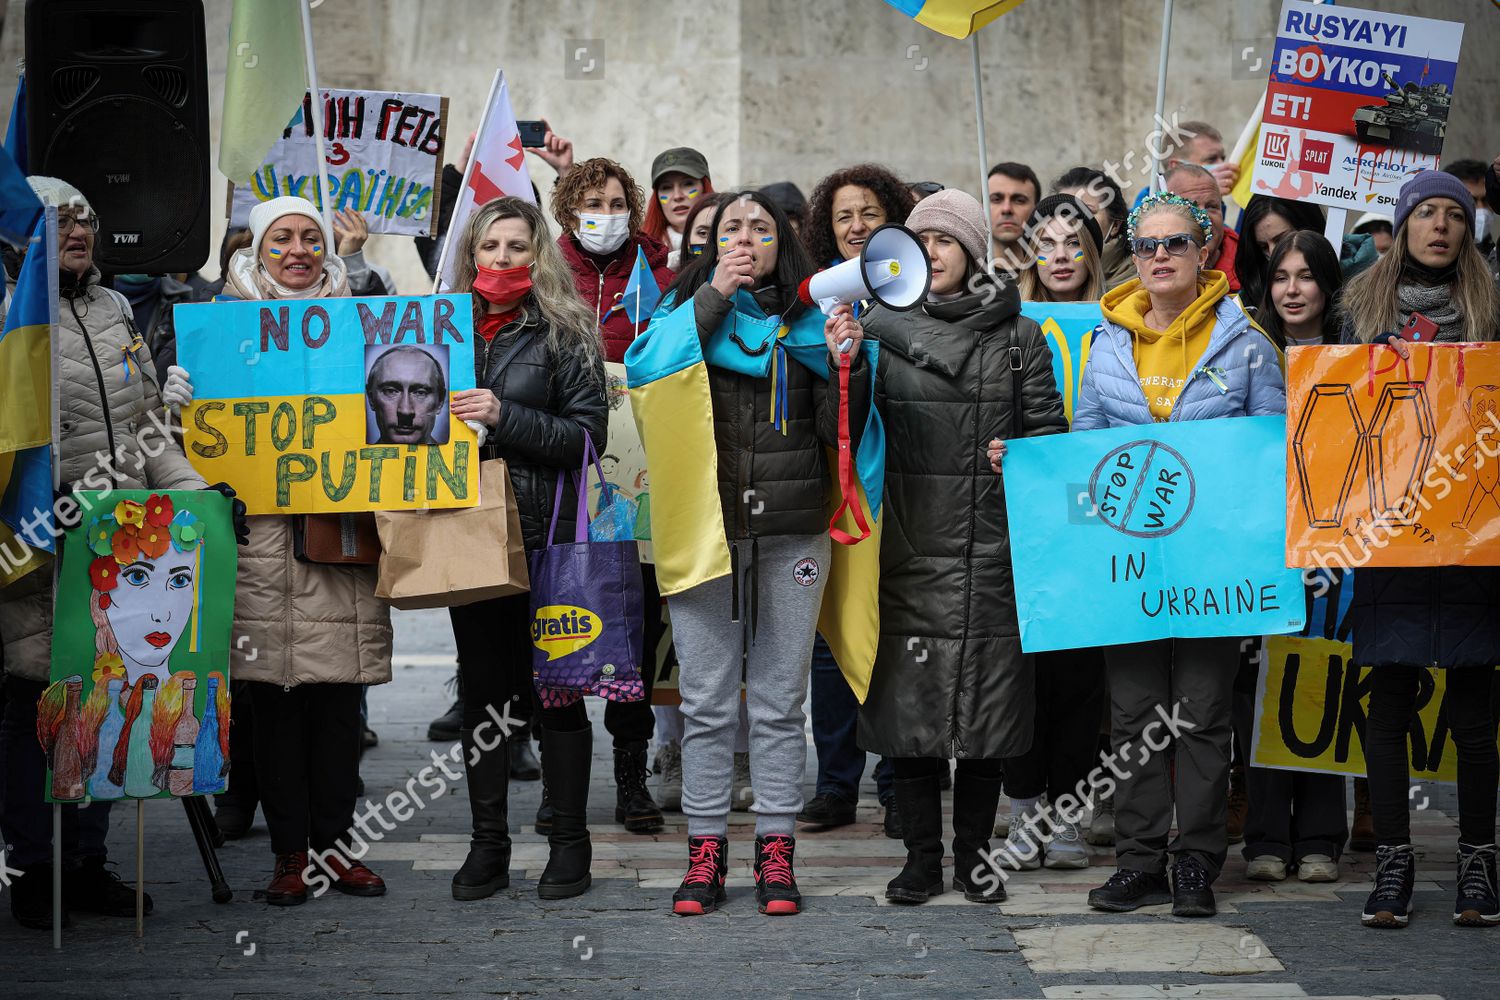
(385, 159)
(322, 405)
(138, 706)
(1069, 329)
(1162, 530)
(1391, 462)
(1356, 101)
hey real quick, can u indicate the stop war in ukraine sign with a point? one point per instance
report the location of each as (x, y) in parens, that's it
(1357, 100)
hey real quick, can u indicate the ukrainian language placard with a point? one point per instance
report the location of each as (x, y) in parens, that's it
(325, 405)
(1150, 532)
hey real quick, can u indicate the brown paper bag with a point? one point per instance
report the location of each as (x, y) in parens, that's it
(444, 558)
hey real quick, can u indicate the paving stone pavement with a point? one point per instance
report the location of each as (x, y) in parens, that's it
(1286, 940)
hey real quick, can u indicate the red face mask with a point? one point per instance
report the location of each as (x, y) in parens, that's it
(502, 285)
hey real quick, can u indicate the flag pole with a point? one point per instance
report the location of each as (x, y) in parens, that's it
(984, 187)
(317, 117)
(1161, 92)
(484, 119)
(54, 295)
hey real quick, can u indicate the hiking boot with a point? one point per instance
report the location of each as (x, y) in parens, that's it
(1192, 889)
(1239, 806)
(287, 887)
(1066, 849)
(1362, 829)
(94, 888)
(827, 811)
(669, 785)
(1477, 905)
(633, 805)
(922, 811)
(741, 790)
(31, 898)
(702, 889)
(1317, 868)
(1128, 889)
(1265, 868)
(775, 884)
(1389, 905)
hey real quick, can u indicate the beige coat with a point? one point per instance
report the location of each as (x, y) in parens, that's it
(102, 406)
(297, 622)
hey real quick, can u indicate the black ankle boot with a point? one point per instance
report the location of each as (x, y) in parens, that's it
(447, 727)
(566, 760)
(634, 806)
(975, 802)
(920, 803)
(487, 868)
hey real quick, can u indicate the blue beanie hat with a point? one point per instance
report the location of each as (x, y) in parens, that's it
(1426, 184)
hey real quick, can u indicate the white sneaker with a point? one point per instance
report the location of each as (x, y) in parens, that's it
(1022, 852)
(742, 796)
(1318, 868)
(1101, 831)
(1266, 868)
(1066, 849)
(669, 783)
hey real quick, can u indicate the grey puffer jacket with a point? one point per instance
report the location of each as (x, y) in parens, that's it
(950, 679)
(106, 406)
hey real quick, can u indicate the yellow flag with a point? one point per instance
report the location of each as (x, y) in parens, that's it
(1241, 192)
(265, 81)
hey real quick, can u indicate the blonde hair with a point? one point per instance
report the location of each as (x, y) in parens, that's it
(570, 324)
(1372, 306)
(1032, 289)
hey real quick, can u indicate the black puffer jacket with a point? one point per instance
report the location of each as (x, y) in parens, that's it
(547, 402)
(949, 678)
(771, 483)
(1445, 616)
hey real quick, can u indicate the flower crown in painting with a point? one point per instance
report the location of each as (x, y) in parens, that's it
(1162, 198)
(133, 531)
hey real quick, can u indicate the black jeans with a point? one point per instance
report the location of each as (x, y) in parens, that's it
(25, 816)
(307, 746)
(905, 768)
(1294, 814)
(1069, 701)
(1470, 714)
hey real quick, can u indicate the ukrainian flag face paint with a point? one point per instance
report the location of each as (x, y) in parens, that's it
(316, 250)
(767, 241)
(275, 253)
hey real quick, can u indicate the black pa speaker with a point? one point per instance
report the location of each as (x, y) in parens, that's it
(117, 106)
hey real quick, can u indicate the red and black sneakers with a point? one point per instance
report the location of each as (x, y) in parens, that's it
(702, 888)
(775, 884)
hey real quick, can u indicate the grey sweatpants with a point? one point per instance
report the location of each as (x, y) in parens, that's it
(711, 647)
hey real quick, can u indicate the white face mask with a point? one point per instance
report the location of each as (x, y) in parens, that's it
(603, 233)
(1483, 223)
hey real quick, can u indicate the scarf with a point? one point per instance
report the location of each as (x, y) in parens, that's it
(1437, 303)
(247, 279)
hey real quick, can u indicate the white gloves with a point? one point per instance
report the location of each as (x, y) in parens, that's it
(178, 390)
(477, 428)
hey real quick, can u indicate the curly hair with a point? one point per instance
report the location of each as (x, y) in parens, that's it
(568, 192)
(817, 233)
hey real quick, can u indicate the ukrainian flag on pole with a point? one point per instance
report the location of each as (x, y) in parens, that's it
(954, 18)
(26, 407)
(669, 397)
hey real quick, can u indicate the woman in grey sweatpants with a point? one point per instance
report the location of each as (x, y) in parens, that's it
(755, 625)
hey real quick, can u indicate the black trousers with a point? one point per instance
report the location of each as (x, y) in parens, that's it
(307, 745)
(1069, 700)
(1294, 814)
(243, 790)
(1470, 712)
(932, 767)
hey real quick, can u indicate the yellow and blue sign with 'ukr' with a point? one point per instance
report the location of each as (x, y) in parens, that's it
(332, 405)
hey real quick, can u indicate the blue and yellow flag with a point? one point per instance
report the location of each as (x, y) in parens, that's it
(26, 408)
(642, 295)
(669, 394)
(954, 18)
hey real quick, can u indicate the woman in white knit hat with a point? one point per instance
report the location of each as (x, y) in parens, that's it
(950, 680)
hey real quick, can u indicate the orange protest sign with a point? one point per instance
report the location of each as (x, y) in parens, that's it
(1392, 462)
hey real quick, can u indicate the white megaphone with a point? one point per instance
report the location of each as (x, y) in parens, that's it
(892, 268)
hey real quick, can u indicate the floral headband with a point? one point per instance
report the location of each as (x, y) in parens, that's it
(1162, 198)
(133, 530)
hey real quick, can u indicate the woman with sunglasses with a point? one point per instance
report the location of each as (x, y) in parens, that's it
(1173, 346)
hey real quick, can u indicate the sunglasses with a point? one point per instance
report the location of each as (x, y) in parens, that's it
(1178, 245)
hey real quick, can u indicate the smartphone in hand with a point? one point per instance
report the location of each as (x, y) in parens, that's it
(1418, 330)
(533, 133)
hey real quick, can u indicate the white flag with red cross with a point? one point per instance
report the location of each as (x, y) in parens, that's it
(496, 167)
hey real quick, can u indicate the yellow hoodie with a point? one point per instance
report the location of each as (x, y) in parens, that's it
(1165, 358)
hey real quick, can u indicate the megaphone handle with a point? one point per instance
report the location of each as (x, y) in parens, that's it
(848, 482)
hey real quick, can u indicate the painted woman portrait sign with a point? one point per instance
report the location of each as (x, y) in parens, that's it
(139, 704)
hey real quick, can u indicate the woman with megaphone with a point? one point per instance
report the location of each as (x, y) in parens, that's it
(960, 370)
(731, 366)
